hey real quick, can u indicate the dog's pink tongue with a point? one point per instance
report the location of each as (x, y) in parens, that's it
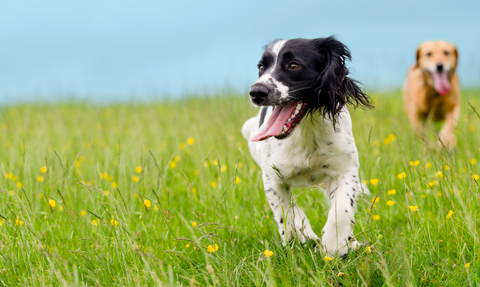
(274, 125)
(441, 83)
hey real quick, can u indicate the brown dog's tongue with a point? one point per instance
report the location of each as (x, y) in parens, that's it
(441, 83)
(274, 125)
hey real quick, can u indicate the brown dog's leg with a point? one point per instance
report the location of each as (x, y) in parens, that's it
(446, 134)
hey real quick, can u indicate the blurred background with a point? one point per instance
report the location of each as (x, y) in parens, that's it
(107, 51)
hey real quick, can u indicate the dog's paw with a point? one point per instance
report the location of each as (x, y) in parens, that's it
(339, 242)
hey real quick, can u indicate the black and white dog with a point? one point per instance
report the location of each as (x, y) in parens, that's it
(302, 135)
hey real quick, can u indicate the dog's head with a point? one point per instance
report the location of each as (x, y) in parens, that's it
(438, 61)
(300, 76)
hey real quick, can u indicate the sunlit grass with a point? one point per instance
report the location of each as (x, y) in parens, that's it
(168, 194)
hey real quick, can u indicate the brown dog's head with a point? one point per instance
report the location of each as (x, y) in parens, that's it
(438, 61)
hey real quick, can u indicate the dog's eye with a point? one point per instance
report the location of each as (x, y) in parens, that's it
(294, 66)
(446, 53)
(428, 54)
(261, 68)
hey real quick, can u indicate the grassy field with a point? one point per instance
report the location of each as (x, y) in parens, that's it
(168, 194)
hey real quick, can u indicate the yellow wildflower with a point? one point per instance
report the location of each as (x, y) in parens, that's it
(214, 162)
(18, 222)
(147, 203)
(187, 245)
(414, 163)
(413, 208)
(340, 274)
(439, 174)
(212, 249)
(223, 168)
(173, 164)
(194, 224)
(423, 196)
(240, 165)
(328, 258)
(190, 141)
(475, 176)
(195, 173)
(450, 213)
(364, 182)
(213, 184)
(390, 202)
(402, 175)
(94, 222)
(138, 169)
(376, 199)
(391, 192)
(428, 165)
(446, 167)
(155, 208)
(376, 217)
(83, 212)
(106, 192)
(237, 180)
(439, 193)
(114, 184)
(40, 178)
(368, 249)
(52, 203)
(467, 265)
(9, 175)
(431, 183)
(43, 169)
(472, 161)
(109, 178)
(182, 146)
(268, 253)
(113, 222)
(11, 193)
(374, 181)
(135, 178)
(104, 175)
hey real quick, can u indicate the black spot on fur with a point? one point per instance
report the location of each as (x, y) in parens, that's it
(346, 211)
(349, 238)
(283, 232)
(281, 220)
(353, 222)
(263, 113)
(351, 202)
(325, 166)
(329, 143)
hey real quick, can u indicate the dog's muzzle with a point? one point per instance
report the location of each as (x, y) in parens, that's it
(258, 92)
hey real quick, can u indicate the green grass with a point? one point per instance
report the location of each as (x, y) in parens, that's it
(99, 235)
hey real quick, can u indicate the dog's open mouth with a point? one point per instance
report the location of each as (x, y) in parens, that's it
(282, 121)
(441, 83)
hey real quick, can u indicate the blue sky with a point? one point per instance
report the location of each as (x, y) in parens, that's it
(122, 50)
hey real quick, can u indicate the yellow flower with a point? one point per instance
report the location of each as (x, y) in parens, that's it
(214, 162)
(11, 193)
(114, 184)
(390, 202)
(60, 208)
(155, 208)
(391, 192)
(223, 168)
(194, 190)
(138, 169)
(147, 203)
(446, 167)
(428, 165)
(187, 245)
(389, 139)
(268, 253)
(190, 141)
(472, 161)
(240, 165)
(113, 222)
(376, 200)
(9, 175)
(439, 174)
(18, 222)
(52, 203)
(328, 258)
(43, 169)
(414, 163)
(402, 175)
(194, 224)
(423, 196)
(205, 164)
(475, 176)
(467, 265)
(376, 217)
(450, 213)
(340, 274)
(368, 249)
(40, 178)
(374, 181)
(83, 212)
(413, 208)
(237, 180)
(364, 182)
(94, 222)
(213, 184)
(212, 249)
(182, 146)
(106, 192)
(78, 164)
(439, 193)
(104, 175)
(431, 183)
(14, 178)
(135, 178)
(109, 178)
(173, 164)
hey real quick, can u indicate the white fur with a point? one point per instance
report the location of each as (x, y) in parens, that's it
(267, 75)
(313, 154)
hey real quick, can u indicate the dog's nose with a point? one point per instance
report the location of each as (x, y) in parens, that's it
(440, 67)
(258, 91)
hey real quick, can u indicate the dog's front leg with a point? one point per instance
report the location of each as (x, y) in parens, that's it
(447, 135)
(290, 218)
(337, 236)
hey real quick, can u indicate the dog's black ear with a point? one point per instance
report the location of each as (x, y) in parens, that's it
(333, 88)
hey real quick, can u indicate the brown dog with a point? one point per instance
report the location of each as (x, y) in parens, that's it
(432, 89)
